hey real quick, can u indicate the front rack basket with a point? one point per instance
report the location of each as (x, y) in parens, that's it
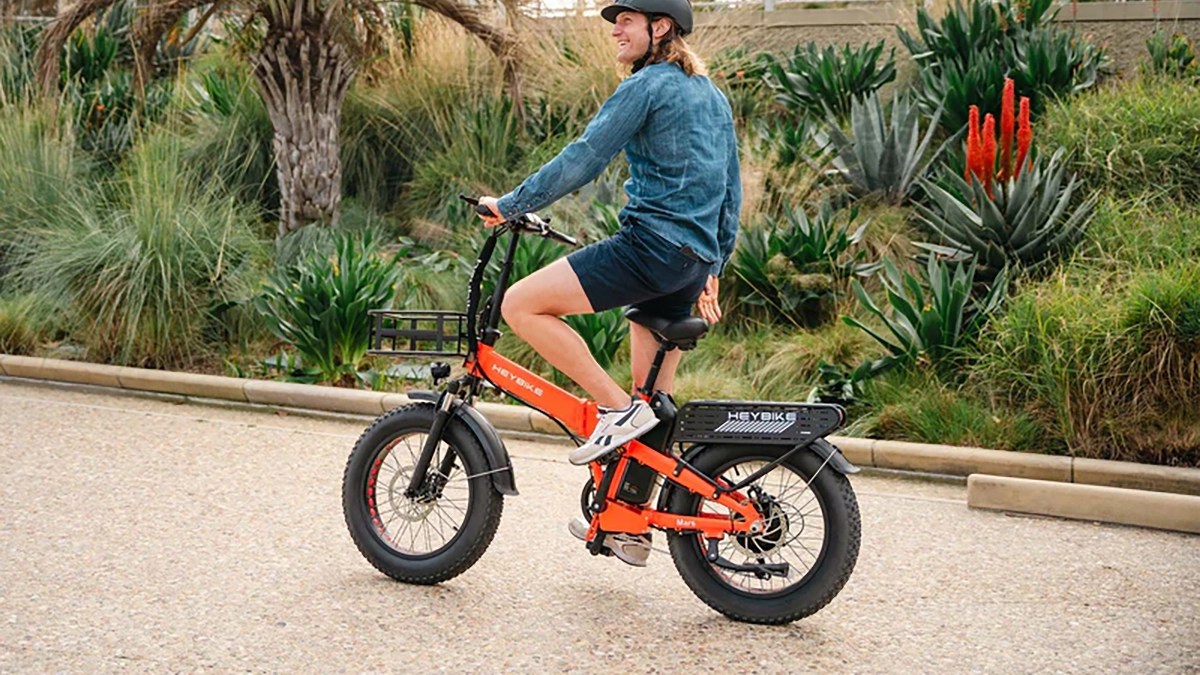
(416, 333)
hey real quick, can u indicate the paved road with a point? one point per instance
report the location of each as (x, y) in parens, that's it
(142, 534)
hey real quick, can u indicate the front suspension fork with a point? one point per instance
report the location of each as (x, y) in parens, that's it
(446, 407)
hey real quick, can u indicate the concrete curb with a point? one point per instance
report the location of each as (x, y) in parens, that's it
(865, 452)
(1160, 510)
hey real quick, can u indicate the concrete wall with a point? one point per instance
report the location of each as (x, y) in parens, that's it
(1121, 27)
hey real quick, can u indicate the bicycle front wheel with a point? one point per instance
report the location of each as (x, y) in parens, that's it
(441, 531)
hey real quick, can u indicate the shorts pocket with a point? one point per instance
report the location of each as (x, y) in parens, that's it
(662, 255)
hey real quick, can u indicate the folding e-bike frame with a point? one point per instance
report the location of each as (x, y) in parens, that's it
(625, 479)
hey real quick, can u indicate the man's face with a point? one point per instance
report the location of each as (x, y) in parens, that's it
(632, 36)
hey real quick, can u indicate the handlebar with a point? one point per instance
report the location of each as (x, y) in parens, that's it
(529, 222)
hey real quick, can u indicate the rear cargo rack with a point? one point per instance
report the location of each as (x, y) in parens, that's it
(418, 333)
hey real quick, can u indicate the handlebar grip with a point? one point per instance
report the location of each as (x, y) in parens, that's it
(483, 210)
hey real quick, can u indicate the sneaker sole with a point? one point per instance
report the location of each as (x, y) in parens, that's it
(597, 454)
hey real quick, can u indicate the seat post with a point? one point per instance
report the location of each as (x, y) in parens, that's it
(663, 347)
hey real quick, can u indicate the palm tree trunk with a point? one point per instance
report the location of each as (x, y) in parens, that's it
(304, 76)
(54, 37)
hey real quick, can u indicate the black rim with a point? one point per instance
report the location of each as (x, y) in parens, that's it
(797, 530)
(421, 527)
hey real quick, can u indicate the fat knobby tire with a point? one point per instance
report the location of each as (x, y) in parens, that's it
(843, 527)
(483, 508)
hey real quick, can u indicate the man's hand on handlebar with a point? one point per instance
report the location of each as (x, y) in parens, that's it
(494, 219)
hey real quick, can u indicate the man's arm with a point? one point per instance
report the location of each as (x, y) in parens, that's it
(580, 162)
(727, 224)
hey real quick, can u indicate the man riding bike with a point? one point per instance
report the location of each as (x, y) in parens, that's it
(677, 229)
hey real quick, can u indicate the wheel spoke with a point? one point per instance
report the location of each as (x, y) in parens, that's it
(406, 524)
(791, 535)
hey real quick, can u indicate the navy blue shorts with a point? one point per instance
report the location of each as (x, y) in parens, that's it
(638, 268)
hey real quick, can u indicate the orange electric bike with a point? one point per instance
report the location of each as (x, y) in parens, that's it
(762, 523)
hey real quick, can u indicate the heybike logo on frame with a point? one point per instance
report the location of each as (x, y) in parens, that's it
(520, 381)
(762, 422)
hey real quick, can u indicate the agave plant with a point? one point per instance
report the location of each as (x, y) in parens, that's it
(320, 305)
(1028, 221)
(883, 158)
(604, 333)
(931, 318)
(825, 82)
(794, 266)
(963, 56)
(1171, 56)
(1048, 63)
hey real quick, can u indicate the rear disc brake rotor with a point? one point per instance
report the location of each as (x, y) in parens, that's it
(776, 530)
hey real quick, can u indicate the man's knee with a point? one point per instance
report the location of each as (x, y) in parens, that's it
(518, 304)
(510, 309)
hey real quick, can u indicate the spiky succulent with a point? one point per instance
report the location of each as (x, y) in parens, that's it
(1028, 222)
(883, 157)
(793, 266)
(931, 317)
(822, 82)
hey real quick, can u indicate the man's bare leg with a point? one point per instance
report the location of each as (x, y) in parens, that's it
(533, 307)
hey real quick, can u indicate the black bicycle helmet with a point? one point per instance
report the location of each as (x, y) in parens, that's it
(679, 10)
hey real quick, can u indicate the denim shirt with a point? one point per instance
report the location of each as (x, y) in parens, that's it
(685, 183)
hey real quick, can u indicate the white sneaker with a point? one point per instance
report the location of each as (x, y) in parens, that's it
(615, 428)
(632, 549)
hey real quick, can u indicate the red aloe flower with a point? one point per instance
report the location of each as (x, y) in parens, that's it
(1007, 115)
(988, 159)
(973, 145)
(1024, 137)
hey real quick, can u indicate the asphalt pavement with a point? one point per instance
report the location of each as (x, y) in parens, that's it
(148, 535)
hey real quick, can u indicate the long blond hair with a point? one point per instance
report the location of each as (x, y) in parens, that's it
(673, 49)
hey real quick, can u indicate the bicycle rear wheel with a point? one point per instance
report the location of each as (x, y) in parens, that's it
(812, 524)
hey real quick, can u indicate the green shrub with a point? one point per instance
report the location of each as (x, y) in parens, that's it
(18, 43)
(1171, 56)
(98, 82)
(883, 158)
(1139, 136)
(792, 268)
(376, 159)
(931, 318)
(739, 74)
(320, 305)
(964, 57)
(825, 82)
(229, 138)
(794, 366)
(1108, 366)
(604, 334)
(476, 150)
(913, 406)
(42, 180)
(1026, 224)
(145, 269)
(27, 321)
